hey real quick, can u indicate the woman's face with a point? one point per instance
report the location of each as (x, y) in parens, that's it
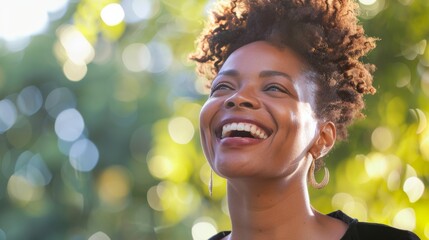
(258, 120)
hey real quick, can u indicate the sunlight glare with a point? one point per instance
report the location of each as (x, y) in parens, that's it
(77, 47)
(17, 22)
(112, 14)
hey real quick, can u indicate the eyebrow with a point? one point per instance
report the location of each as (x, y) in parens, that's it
(272, 73)
(262, 74)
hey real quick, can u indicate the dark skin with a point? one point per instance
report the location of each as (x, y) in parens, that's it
(266, 90)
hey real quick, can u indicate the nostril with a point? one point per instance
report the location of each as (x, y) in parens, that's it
(246, 104)
(229, 104)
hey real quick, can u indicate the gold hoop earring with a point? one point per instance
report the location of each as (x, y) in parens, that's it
(312, 179)
(211, 183)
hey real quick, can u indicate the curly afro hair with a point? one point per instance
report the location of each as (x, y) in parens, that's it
(325, 33)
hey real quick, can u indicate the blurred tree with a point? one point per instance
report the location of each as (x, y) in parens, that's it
(99, 125)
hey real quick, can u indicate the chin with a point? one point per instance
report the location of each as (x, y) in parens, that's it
(237, 168)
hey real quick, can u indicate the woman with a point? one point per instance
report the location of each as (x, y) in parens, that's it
(286, 81)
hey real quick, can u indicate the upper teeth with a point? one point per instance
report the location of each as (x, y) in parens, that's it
(248, 127)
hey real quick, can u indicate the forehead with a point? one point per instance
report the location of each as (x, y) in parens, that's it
(262, 55)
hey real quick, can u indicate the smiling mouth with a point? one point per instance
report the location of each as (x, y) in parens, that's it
(243, 130)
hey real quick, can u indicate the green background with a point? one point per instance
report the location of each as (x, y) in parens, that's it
(139, 99)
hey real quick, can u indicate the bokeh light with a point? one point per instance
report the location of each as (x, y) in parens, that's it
(382, 138)
(22, 190)
(32, 167)
(376, 165)
(30, 100)
(348, 204)
(8, 115)
(32, 19)
(161, 57)
(74, 71)
(405, 219)
(203, 230)
(112, 14)
(420, 116)
(84, 155)
(370, 8)
(59, 100)
(414, 188)
(69, 125)
(114, 185)
(138, 10)
(161, 167)
(74, 51)
(394, 181)
(18, 23)
(181, 130)
(76, 46)
(154, 199)
(411, 52)
(356, 209)
(367, 2)
(99, 236)
(136, 57)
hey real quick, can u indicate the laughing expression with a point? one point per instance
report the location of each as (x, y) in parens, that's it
(258, 120)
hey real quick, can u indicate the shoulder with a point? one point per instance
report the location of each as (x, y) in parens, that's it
(380, 231)
(220, 235)
(371, 231)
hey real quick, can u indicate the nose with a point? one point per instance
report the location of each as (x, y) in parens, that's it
(242, 99)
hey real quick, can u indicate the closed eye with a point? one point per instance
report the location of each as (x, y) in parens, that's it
(220, 87)
(276, 88)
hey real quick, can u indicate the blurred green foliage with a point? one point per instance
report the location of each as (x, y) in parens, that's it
(135, 169)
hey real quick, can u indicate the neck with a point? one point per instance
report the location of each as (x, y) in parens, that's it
(269, 209)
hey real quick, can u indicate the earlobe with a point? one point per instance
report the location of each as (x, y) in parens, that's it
(325, 140)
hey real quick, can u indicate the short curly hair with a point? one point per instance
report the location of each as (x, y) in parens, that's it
(325, 33)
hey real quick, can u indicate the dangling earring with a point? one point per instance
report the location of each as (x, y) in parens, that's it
(211, 182)
(312, 179)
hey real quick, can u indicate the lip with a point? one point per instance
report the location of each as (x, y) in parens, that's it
(239, 141)
(218, 129)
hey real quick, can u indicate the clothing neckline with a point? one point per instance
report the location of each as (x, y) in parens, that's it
(337, 215)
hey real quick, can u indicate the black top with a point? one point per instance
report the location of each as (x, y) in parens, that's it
(359, 230)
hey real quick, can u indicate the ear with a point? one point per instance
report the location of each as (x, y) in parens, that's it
(325, 140)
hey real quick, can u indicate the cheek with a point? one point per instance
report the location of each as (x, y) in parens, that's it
(307, 125)
(206, 117)
(299, 128)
